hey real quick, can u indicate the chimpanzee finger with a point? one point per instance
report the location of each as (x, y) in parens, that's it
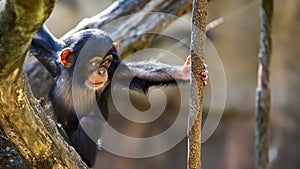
(205, 78)
(204, 73)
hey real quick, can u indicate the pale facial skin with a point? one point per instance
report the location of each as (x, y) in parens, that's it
(99, 75)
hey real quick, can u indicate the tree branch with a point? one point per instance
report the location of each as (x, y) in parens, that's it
(263, 91)
(115, 11)
(198, 38)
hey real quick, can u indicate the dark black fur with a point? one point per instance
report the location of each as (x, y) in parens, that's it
(86, 44)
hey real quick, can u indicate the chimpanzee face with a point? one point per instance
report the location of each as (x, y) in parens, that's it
(98, 71)
(92, 69)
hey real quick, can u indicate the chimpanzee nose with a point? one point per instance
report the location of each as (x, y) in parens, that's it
(101, 72)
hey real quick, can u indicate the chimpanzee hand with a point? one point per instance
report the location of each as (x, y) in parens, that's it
(186, 71)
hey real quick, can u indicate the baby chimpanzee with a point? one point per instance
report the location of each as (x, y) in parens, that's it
(86, 63)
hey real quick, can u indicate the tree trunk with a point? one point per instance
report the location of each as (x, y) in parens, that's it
(29, 130)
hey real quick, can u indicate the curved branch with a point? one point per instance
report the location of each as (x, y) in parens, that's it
(21, 118)
(116, 10)
(134, 31)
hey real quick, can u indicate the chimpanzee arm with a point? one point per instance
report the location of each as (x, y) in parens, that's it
(147, 74)
(44, 46)
(156, 72)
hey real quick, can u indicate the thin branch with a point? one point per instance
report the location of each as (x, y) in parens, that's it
(196, 101)
(263, 91)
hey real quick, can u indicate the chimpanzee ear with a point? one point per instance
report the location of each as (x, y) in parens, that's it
(116, 46)
(66, 57)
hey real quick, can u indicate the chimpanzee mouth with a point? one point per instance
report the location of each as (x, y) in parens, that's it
(94, 84)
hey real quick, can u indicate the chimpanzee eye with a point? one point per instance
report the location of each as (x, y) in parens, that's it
(95, 64)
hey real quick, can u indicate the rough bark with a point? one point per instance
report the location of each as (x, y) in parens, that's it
(30, 131)
(197, 92)
(263, 91)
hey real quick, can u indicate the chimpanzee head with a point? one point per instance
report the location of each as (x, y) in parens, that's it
(90, 56)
